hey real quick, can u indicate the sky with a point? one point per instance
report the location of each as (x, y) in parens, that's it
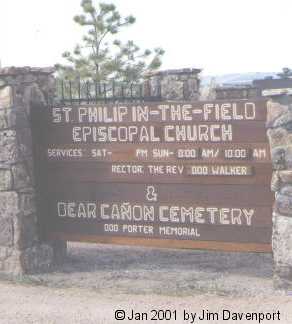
(219, 36)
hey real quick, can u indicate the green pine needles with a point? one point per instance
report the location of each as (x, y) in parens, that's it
(102, 57)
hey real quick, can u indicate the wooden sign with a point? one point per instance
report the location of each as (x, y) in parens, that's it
(188, 174)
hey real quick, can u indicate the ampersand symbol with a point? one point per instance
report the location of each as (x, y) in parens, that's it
(151, 195)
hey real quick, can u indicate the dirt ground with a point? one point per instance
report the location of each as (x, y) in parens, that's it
(96, 280)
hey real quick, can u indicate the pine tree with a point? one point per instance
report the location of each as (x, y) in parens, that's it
(101, 58)
(132, 62)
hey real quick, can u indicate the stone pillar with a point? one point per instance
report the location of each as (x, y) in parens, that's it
(21, 247)
(279, 124)
(182, 84)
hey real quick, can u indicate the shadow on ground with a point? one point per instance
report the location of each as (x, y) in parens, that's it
(137, 270)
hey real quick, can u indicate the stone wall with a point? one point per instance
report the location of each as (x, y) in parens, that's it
(21, 248)
(181, 84)
(279, 124)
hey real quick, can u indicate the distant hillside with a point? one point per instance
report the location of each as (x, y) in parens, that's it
(237, 78)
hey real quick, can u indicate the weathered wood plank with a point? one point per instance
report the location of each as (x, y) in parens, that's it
(166, 243)
(184, 132)
(188, 214)
(216, 195)
(201, 232)
(200, 111)
(171, 153)
(228, 173)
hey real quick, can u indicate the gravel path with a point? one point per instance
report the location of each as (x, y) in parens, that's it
(137, 270)
(96, 280)
(21, 304)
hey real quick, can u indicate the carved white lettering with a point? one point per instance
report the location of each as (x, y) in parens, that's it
(126, 211)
